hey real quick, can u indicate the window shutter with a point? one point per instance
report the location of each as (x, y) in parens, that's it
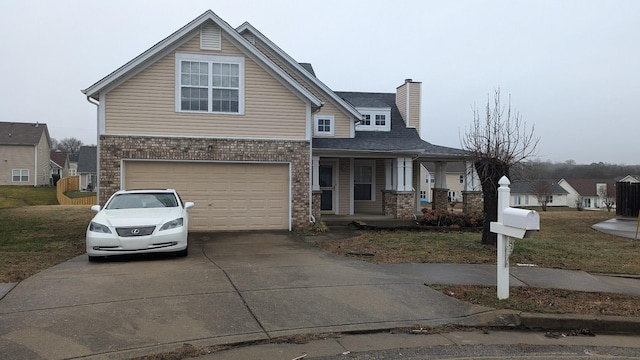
(210, 38)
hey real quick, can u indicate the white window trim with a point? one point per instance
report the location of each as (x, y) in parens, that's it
(210, 59)
(372, 112)
(372, 164)
(20, 176)
(332, 126)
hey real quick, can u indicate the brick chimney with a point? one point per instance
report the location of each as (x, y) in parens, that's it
(408, 102)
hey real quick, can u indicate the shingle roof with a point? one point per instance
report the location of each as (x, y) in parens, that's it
(21, 133)
(308, 67)
(588, 187)
(526, 187)
(59, 157)
(400, 138)
(87, 159)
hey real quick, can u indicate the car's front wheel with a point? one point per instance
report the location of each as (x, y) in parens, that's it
(182, 253)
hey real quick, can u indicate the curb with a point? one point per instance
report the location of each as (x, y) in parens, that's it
(606, 324)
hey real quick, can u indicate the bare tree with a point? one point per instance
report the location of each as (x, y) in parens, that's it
(608, 195)
(579, 203)
(70, 145)
(543, 191)
(497, 143)
(54, 144)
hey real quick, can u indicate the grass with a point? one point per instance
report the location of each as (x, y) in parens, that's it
(565, 240)
(16, 196)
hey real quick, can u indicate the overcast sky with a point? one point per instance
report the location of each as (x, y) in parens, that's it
(572, 68)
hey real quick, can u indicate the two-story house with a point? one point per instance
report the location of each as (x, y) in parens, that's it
(24, 154)
(253, 137)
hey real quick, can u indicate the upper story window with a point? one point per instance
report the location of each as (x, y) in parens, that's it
(323, 125)
(209, 83)
(374, 119)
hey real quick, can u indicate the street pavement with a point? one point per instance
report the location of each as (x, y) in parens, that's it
(247, 287)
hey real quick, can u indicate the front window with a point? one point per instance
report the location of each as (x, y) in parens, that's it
(423, 194)
(517, 200)
(324, 125)
(374, 119)
(381, 120)
(366, 120)
(207, 83)
(363, 184)
(20, 175)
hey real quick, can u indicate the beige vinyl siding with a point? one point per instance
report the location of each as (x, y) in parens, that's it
(44, 164)
(145, 104)
(414, 105)
(16, 157)
(342, 125)
(401, 100)
(344, 183)
(373, 207)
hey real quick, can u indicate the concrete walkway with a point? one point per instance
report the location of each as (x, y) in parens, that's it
(239, 287)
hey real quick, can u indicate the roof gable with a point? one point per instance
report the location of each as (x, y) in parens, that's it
(60, 158)
(303, 70)
(22, 133)
(173, 41)
(589, 187)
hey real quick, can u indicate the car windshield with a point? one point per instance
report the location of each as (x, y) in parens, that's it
(142, 200)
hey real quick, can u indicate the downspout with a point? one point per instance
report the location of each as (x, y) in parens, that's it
(312, 218)
(35, 166)
(97, 187)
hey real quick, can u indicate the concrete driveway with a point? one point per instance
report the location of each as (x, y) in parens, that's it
(232, 287)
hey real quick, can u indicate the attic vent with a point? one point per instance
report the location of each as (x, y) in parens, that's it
(250, 37)
(210, 38)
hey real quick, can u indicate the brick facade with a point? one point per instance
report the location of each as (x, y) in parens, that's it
(472, 202)
(399, 204)
(115, 148)
(440, 199)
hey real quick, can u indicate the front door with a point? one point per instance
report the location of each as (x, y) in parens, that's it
(327, 188)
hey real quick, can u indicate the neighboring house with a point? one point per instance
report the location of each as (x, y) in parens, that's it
(59, 164)
(24, 154)
(525, 193)
(236, 125)
(73, 164)
(458, 175)
(589, 192)
(87, 168)
(630, 179)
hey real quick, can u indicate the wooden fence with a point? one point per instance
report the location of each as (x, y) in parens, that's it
(627, 199)
(72, 183)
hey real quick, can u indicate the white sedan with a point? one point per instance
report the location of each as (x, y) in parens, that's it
(139, 221)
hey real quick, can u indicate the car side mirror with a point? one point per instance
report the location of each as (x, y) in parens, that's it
(95, 208)
(189, 205)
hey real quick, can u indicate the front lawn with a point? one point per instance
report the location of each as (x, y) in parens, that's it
(15, 196)
(565, 240)
(37, 237)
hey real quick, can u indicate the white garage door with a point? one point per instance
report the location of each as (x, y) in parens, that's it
(228, 196)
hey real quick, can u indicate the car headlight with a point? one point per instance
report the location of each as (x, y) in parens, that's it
(99, 228)
(172, 224)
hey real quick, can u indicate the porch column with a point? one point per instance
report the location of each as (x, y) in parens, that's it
(388, 174)
(404, 174)
(471, 182)
(315, 173)
(440, 190)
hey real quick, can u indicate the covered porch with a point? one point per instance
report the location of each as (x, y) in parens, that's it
(381, 186)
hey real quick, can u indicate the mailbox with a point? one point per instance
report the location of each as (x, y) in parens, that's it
(517, 223)
(512, 224)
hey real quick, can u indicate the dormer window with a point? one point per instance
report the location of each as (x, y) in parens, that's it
(374, 119)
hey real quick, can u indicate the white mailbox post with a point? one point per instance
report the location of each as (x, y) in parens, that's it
(512, 224)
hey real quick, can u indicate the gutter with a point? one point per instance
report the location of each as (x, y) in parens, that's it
(312, 218)
(97, 187)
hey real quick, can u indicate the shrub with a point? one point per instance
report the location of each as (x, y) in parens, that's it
(442, 217)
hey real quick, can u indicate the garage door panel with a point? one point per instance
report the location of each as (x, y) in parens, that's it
(228, 196)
